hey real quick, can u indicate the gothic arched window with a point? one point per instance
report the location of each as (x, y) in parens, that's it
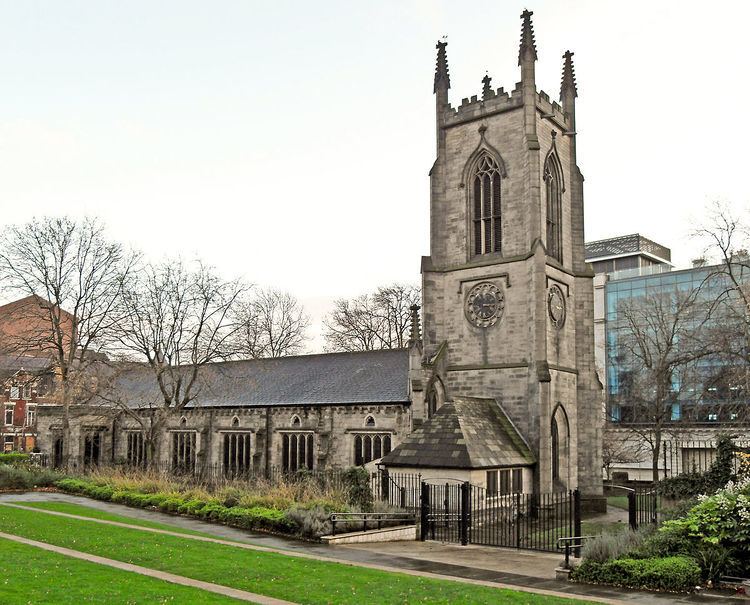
(485, 183)
(555, 450)
(553, 181)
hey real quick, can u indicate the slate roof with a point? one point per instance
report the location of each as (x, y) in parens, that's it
(464, 433)
(332, 378)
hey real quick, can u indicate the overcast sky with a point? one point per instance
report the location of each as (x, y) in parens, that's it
(289, 142)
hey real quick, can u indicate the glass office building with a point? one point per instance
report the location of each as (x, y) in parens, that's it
(635, 273)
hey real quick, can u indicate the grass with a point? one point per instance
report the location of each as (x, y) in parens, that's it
(32, 575)
(594, 528)
(93, 513)
(281, 576)
(618, 502)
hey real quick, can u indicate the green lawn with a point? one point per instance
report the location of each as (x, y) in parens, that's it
(618, 501)
(594, 527)
(94, 513)
(285, 577)
(29, 575)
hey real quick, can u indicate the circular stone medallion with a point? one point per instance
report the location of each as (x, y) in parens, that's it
(556, 306)
(484, 305)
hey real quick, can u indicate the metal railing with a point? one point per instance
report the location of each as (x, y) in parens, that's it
(568, 545)
(378, 519)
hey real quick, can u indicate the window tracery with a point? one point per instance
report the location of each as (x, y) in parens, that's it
(486, 200)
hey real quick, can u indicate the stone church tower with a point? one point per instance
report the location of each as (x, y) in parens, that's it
(508, 297)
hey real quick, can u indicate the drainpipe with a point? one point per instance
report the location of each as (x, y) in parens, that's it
(114, 438)
(268, 443)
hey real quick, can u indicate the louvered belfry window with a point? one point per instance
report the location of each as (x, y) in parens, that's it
(486, 199)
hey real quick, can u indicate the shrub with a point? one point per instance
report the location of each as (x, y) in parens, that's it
(714, 561)
(721, 520)
(717, 476)
(13, 458)
(312, 522)
(673, 574)
(196, 503)
(610, 546)
(358, 488)
(20, 477)
(662, 544)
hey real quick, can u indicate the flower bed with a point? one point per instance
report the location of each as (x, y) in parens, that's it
(708, 540)
(299, 508)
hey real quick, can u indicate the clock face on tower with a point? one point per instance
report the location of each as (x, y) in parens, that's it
(484, 305)
(556, 306)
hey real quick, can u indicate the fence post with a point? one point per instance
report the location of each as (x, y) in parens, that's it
(577, 520)
(632, 510)
(465, 504)
(517, 518)
(424, 510)
(384, 487)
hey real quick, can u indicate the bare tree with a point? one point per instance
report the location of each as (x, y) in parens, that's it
(621, 449)
(726, 236)
(179, 318)
(659, 340)
(72, 276)
(378, 320)
(271, 324)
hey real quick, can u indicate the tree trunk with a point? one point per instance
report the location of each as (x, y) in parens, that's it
(656, 451)
(65, 426)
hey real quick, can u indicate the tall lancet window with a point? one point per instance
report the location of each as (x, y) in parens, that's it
(553, 180)
(486, 204)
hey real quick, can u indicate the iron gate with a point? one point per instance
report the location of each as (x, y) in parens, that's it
(468, 514)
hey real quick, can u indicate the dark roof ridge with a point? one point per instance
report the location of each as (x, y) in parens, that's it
(304, 356)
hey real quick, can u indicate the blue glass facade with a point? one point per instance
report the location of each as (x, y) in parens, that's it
(702, 392)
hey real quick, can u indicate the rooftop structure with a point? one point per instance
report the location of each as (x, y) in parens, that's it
(634, 252)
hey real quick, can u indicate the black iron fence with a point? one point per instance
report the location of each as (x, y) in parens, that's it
(677, 457)
(401, 490)
(463, 513)
(644, 506)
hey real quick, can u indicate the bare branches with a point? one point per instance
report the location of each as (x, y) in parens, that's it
(271, 323)
(70, 277)
(379, 320)
(74, 275)
(178, 319)
(622, 449)
(660, 337)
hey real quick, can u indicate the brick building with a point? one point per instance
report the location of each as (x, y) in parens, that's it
(27, 372)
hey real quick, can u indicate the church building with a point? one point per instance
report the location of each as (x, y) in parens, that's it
(498, 385)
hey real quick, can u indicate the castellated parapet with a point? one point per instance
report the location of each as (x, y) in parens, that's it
(498, 101)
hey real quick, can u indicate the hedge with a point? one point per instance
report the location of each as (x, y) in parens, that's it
(672, 574)
(13, 458)
(257, 517)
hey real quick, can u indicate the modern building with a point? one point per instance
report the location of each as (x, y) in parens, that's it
(612, 259)
(705, 397)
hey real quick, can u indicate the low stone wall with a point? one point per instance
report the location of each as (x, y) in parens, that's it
(387, 534)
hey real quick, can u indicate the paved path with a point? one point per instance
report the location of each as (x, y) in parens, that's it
(242, 595)
(509, 568)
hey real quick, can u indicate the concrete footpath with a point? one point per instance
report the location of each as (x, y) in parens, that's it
(524, 570)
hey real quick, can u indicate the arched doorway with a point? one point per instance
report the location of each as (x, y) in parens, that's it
(560, 445)
(435, 396)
